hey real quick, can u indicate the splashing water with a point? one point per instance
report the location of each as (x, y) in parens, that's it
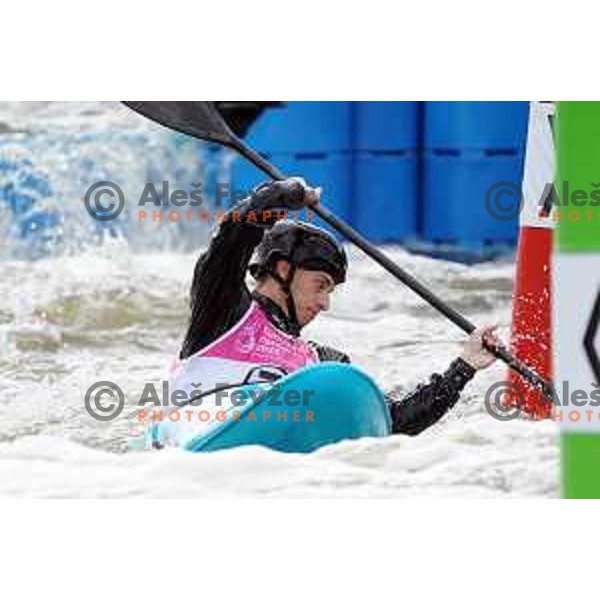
(44, 177)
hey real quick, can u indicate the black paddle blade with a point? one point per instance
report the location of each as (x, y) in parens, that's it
(240, 116)
(199, 119)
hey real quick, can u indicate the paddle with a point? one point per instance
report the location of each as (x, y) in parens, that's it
(202, 120)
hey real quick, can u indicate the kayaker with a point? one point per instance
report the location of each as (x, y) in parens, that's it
(238, 336)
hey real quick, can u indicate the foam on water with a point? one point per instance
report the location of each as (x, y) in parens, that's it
(117, 315)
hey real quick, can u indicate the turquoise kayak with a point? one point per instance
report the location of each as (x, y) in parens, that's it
(315, 406)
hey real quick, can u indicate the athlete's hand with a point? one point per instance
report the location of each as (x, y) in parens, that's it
(474, 353)
(292, 193)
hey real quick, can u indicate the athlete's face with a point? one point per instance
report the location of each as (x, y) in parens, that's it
(312, 291)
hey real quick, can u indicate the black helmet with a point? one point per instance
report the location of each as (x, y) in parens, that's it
(302, 245)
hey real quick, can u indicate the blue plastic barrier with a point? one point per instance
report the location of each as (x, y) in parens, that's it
(470, 125)
(386, 125)
(385, 196)
(303, 127)
(455, 187)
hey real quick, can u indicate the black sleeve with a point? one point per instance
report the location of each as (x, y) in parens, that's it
(219, 295)
(425, 405)
(428, 403)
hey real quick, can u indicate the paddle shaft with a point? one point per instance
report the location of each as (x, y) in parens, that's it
(203, 121)
(499, 351)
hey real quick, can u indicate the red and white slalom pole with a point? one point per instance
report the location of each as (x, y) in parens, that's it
(531, 332)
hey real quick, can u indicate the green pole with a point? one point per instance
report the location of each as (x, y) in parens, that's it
(576, 295)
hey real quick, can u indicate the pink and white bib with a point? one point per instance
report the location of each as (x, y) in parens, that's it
(253, 342)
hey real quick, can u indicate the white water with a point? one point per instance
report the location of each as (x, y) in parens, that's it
(117, 311)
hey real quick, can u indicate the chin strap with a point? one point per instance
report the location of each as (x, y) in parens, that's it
(286, 286)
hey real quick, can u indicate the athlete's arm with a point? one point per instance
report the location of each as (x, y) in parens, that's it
(427, 404)
(219, 295)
